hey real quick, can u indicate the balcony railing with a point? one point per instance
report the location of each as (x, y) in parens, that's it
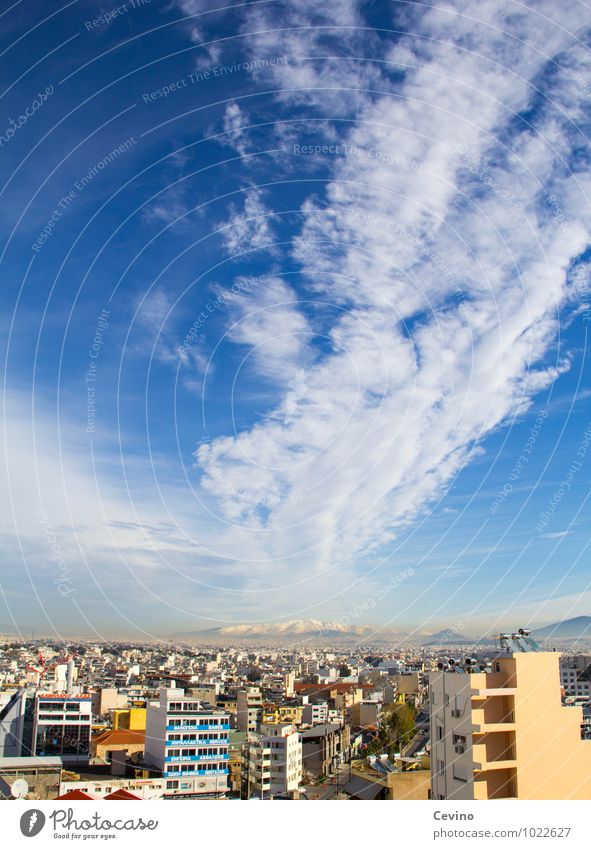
(195, 772)
(207, 726)
(491, 727)
(182, 758)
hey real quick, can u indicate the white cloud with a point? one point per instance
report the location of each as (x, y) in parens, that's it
(233, 122)
(445, 281)
(250, 227)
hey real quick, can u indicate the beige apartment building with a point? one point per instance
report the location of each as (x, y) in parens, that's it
(504, 733)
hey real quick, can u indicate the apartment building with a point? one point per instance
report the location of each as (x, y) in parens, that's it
(249, 708)
(61, 726)
(188, 744)
(324, 746)
(283, 713)
(315, 713)
(274, 761)
(502, 732)
(366, 714)
(575, 675)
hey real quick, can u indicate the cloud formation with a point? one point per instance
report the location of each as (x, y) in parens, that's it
(438, 247)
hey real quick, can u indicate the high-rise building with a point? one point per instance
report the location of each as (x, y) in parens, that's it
(503, 732)
(274, 761)
(188, 744)
(249, 708)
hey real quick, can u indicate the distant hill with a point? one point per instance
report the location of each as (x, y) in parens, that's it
(448, 637)
(578, 628)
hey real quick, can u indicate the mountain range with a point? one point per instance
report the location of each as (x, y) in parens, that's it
(317, 631)
(571, 629)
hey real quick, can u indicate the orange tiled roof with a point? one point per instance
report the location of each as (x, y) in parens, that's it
(120, 735)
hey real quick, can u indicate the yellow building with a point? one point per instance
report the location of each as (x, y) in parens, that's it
(504, 733)
(283, 713)
(132, 719)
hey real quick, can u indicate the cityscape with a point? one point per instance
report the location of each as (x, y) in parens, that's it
(128, 721)
(295, 476)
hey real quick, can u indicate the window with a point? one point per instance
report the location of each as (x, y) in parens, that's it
(439, 732)
(460, 773)
(459, 740)
(175, 706)
(441, 767)
(172, 785)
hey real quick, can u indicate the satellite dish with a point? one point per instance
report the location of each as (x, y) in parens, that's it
(19, 788)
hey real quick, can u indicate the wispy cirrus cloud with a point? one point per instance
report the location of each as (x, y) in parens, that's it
(446, 282)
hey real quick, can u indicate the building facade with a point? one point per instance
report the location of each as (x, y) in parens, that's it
(249, 709)
(12, 718)
(505, 734)
(188, 744)
(61, 727)
(274, 761)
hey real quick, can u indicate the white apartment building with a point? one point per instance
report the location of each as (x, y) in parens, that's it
(274, 761)
(249, 707)
(188, 744)
(61, 726)
(315, 713)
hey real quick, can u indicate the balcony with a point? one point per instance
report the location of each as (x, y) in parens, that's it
(491, 727)
(488, 692)
(485, 766)
(500, 784)
(204, 726)
(495, 751)
(195, 772)
(189, 758)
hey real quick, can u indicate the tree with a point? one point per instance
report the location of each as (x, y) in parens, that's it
(253, 674)
(397, 727)
(344, 671)
(401, 723)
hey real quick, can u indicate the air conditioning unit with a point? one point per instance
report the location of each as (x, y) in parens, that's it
(459, 750)
(456, 713)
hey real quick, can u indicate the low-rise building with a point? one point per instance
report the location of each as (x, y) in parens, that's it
(324, 747)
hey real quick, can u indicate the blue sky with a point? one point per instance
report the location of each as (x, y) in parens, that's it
(295, 312)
